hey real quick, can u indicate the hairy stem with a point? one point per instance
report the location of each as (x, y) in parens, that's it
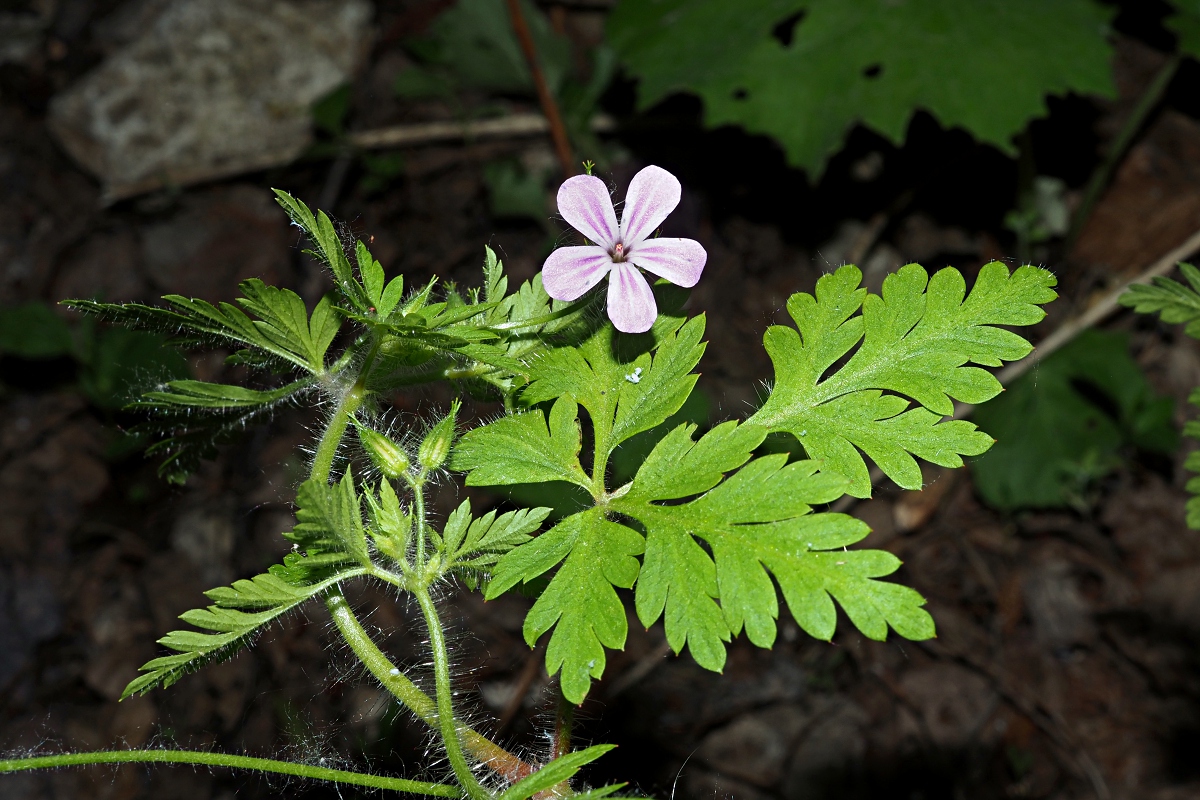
(484, 750)
(564, 720)
(229, 762)
(445, 700)
(331, 439)
(418, 490)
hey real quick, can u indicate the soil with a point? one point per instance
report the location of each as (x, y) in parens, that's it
(1069, 641)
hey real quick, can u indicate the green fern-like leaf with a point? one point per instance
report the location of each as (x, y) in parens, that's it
(580, 604)
(755, 522)
(202, 394)
(918, 340)
(283, 329)
(478, 543)
(191, 418)
(1178, 304)
(560, 769)
(1173, 302)
(238, 614)
(330, 548)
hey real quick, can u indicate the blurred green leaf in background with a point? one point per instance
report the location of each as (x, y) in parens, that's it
(1067, 423)
(113, 365)
(806, 71)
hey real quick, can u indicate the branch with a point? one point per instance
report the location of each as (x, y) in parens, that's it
(510, 126)
(1065, 332)
(411, 135)
(229, 762)
(558, 131)
(1107, 304)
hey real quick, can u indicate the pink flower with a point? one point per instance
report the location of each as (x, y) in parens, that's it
(619, 250)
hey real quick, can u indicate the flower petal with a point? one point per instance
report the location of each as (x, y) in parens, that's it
(653, 194)
(631, 305)
(584, 202)
(570, 271)
(678, 260)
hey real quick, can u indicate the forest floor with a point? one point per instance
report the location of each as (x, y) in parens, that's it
(1066, 663)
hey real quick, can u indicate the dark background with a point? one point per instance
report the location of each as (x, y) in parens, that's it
(1066, 660)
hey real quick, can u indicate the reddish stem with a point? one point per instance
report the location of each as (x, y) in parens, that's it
(558, 131)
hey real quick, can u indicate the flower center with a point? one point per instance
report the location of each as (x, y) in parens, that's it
(618, 252)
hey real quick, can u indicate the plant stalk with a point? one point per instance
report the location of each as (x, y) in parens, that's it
(484, 750)
(558, 131)
(229, 762)
(451, 736)
(564, 721)
(331, 439)
(418, 490)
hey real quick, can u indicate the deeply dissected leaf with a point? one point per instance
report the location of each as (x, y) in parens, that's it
(329, 523)
(1172, 301)
(580, 603)
(721, 531)
(184, 439)
(805, 71)
(283, 330)
(202, 394)
(330, 549)
(918, 341)
(625, 388)
(390, 524)
(522, 449)
(1064, 424)
(238, 614)
(755, 521)
(191, 418)
(330, 248)
(478, 543)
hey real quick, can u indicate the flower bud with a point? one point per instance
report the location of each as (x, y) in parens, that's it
(436, 447)
(385, 453)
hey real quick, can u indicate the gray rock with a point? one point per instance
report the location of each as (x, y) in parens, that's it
(754, 747)
(1061, 616)
(20, 36)
(212, 88)
(828, 760)
(206, 537)
(954, 702)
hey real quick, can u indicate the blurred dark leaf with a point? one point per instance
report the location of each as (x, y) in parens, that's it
(1066, 423)
(33, 331)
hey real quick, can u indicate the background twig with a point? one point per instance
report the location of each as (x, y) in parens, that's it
(558, 132)
(1061, 335)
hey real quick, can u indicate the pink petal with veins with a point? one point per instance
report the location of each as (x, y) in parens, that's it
(584, 202)
(631, 305)
(570, 271)
(653, 194)
(678, 260)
